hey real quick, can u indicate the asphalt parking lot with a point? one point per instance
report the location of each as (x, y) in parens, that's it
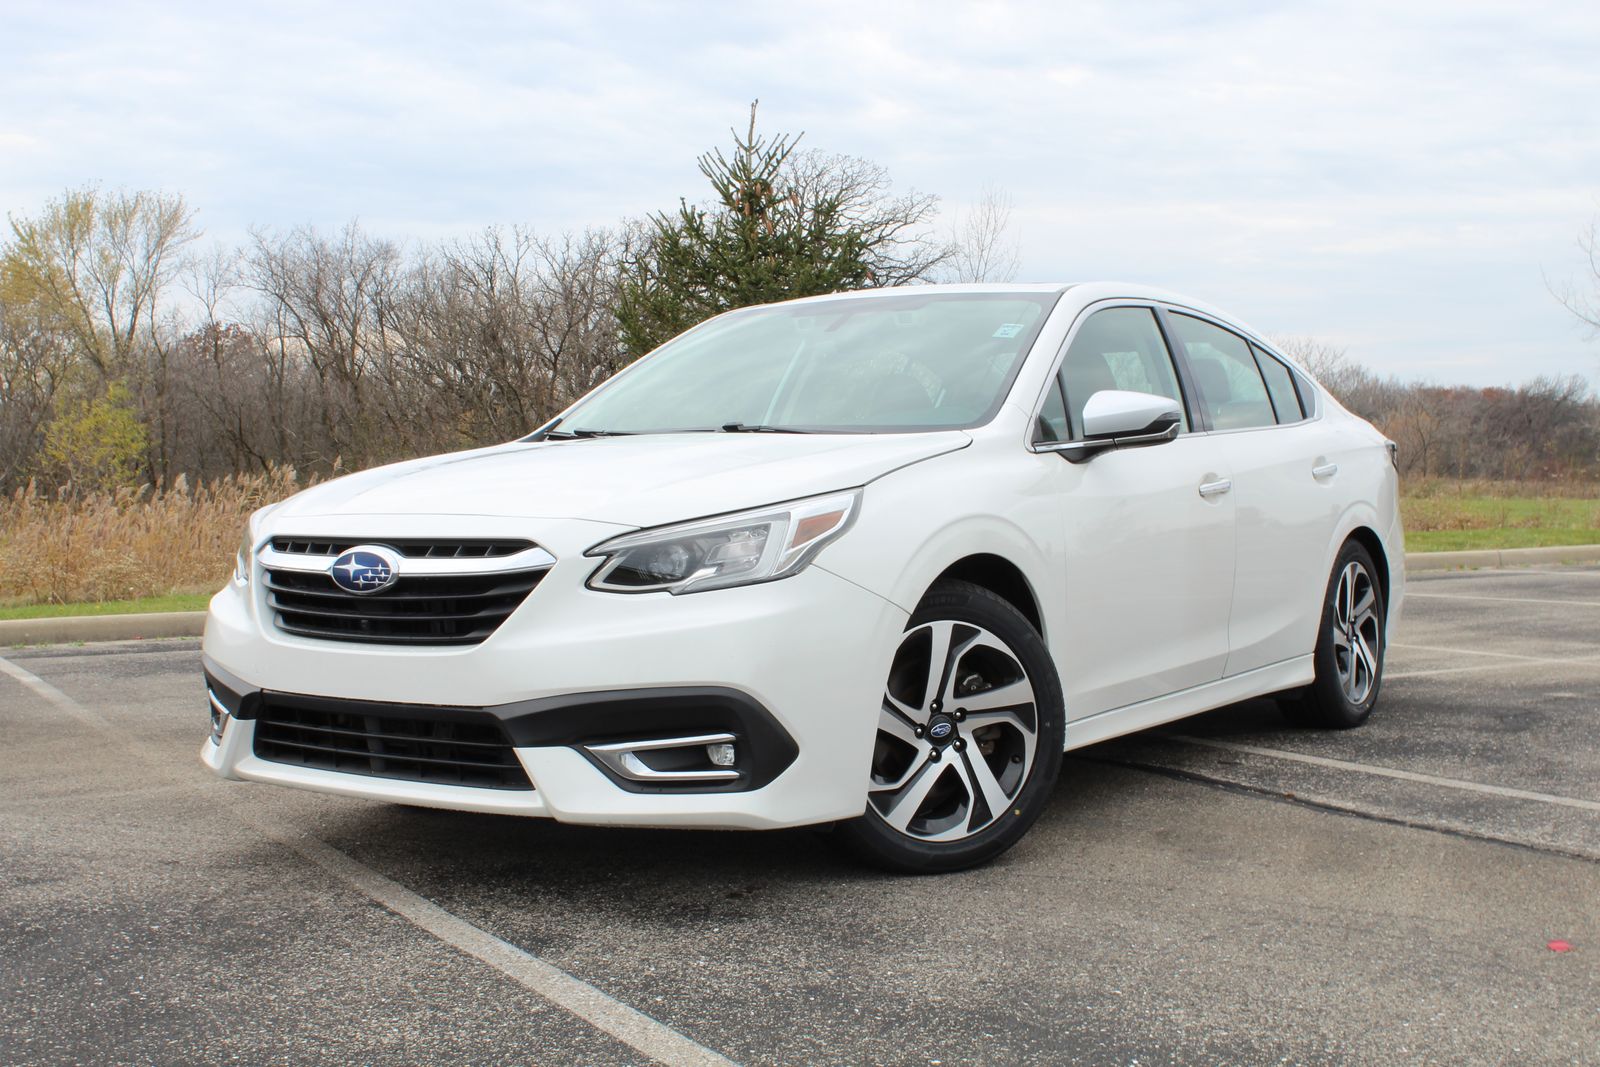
(1226, 890)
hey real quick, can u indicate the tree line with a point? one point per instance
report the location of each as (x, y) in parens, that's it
(1547, 428)
(130, 354)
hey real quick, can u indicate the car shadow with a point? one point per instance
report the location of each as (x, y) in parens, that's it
(689, 875)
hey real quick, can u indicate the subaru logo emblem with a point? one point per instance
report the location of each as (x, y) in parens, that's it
(364, 569)
(940, 730)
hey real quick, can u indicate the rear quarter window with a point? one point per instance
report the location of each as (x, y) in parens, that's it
(1280, 387)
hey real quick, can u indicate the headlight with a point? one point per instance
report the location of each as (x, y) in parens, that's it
(752, 546)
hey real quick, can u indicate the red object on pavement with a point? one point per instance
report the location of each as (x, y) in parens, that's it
(1559, 946)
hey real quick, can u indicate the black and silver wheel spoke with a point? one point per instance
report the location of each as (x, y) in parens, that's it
(901, 805)
(1356, 633)
(982, 784)
(957, 733)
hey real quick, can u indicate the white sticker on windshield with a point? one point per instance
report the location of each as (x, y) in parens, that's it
(1010, 329)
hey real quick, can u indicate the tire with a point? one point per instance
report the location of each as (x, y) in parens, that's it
(981, 732)
(1350, 647)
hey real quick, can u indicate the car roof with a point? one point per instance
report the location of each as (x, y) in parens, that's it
(1084, 294)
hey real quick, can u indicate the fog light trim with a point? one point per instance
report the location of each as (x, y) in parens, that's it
(623, 758)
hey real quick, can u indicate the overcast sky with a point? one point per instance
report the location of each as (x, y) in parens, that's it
(1399, 178)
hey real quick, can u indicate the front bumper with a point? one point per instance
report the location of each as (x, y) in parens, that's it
(793, 668)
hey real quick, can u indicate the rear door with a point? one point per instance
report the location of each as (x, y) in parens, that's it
(1284, 489)
(1147, 532)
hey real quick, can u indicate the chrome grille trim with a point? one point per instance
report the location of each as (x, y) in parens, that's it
(532, 558)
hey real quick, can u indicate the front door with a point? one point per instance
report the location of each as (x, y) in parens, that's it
(1147, 534)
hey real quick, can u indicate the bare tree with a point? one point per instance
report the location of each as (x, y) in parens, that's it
(101, 263)
(984, 250)
(326, 301)
(1355, 386)
(35, 359)
(896, 229)
(1585, 305)
(97, 265)
(496, 333)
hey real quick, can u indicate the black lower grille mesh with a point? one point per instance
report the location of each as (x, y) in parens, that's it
(442, 748)
(416, 610)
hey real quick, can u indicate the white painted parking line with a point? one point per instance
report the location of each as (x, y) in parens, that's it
(1504, 599)
(1469, 651)
(1390, 772)
(1474, 652)
(605, 1013)
(1515, 662)
(1523, 664)
(1396, 676)
(54, 695)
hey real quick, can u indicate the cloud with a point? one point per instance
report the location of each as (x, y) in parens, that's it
(1400, 177)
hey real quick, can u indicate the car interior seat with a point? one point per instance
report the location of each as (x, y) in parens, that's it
(1227, 412)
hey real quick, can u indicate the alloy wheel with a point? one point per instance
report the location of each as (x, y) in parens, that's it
(957, 733)
(1356, 633)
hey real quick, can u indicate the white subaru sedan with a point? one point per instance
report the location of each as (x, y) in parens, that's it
(874, 559)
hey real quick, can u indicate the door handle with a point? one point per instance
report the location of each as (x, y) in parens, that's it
(1327, 470)
(1216, 488)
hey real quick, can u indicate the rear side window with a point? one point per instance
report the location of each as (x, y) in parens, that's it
(1280, 387)
(1232, 393)
(1118, 348)
(1308, 395)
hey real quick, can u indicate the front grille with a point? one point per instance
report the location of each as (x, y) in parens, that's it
(446, 747)
(418, 609)
(410, 547)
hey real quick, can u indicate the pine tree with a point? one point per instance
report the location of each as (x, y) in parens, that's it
(757, 243)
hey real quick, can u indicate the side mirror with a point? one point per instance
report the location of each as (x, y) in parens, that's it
(1116, 418)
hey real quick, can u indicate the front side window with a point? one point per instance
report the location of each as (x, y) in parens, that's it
(1232, 393)
(881, 364)
(1118, 348)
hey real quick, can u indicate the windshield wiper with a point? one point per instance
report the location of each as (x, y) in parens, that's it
(548, 434)
(740, 427)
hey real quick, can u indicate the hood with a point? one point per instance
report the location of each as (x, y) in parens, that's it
(647, 480)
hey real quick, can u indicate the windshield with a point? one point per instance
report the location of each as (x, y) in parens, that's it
(885, 364)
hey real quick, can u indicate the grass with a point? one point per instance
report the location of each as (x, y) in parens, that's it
(173, 602)
(1443, 516)
(139, 550)
(77, 547)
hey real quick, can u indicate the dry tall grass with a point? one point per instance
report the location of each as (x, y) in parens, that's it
(84, 547)
(75, 547)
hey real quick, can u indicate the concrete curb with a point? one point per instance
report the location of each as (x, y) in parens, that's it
(101, 628)
(1501, 557)
(193, 623)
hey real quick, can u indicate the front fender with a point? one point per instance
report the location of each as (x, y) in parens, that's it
(915, 523)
